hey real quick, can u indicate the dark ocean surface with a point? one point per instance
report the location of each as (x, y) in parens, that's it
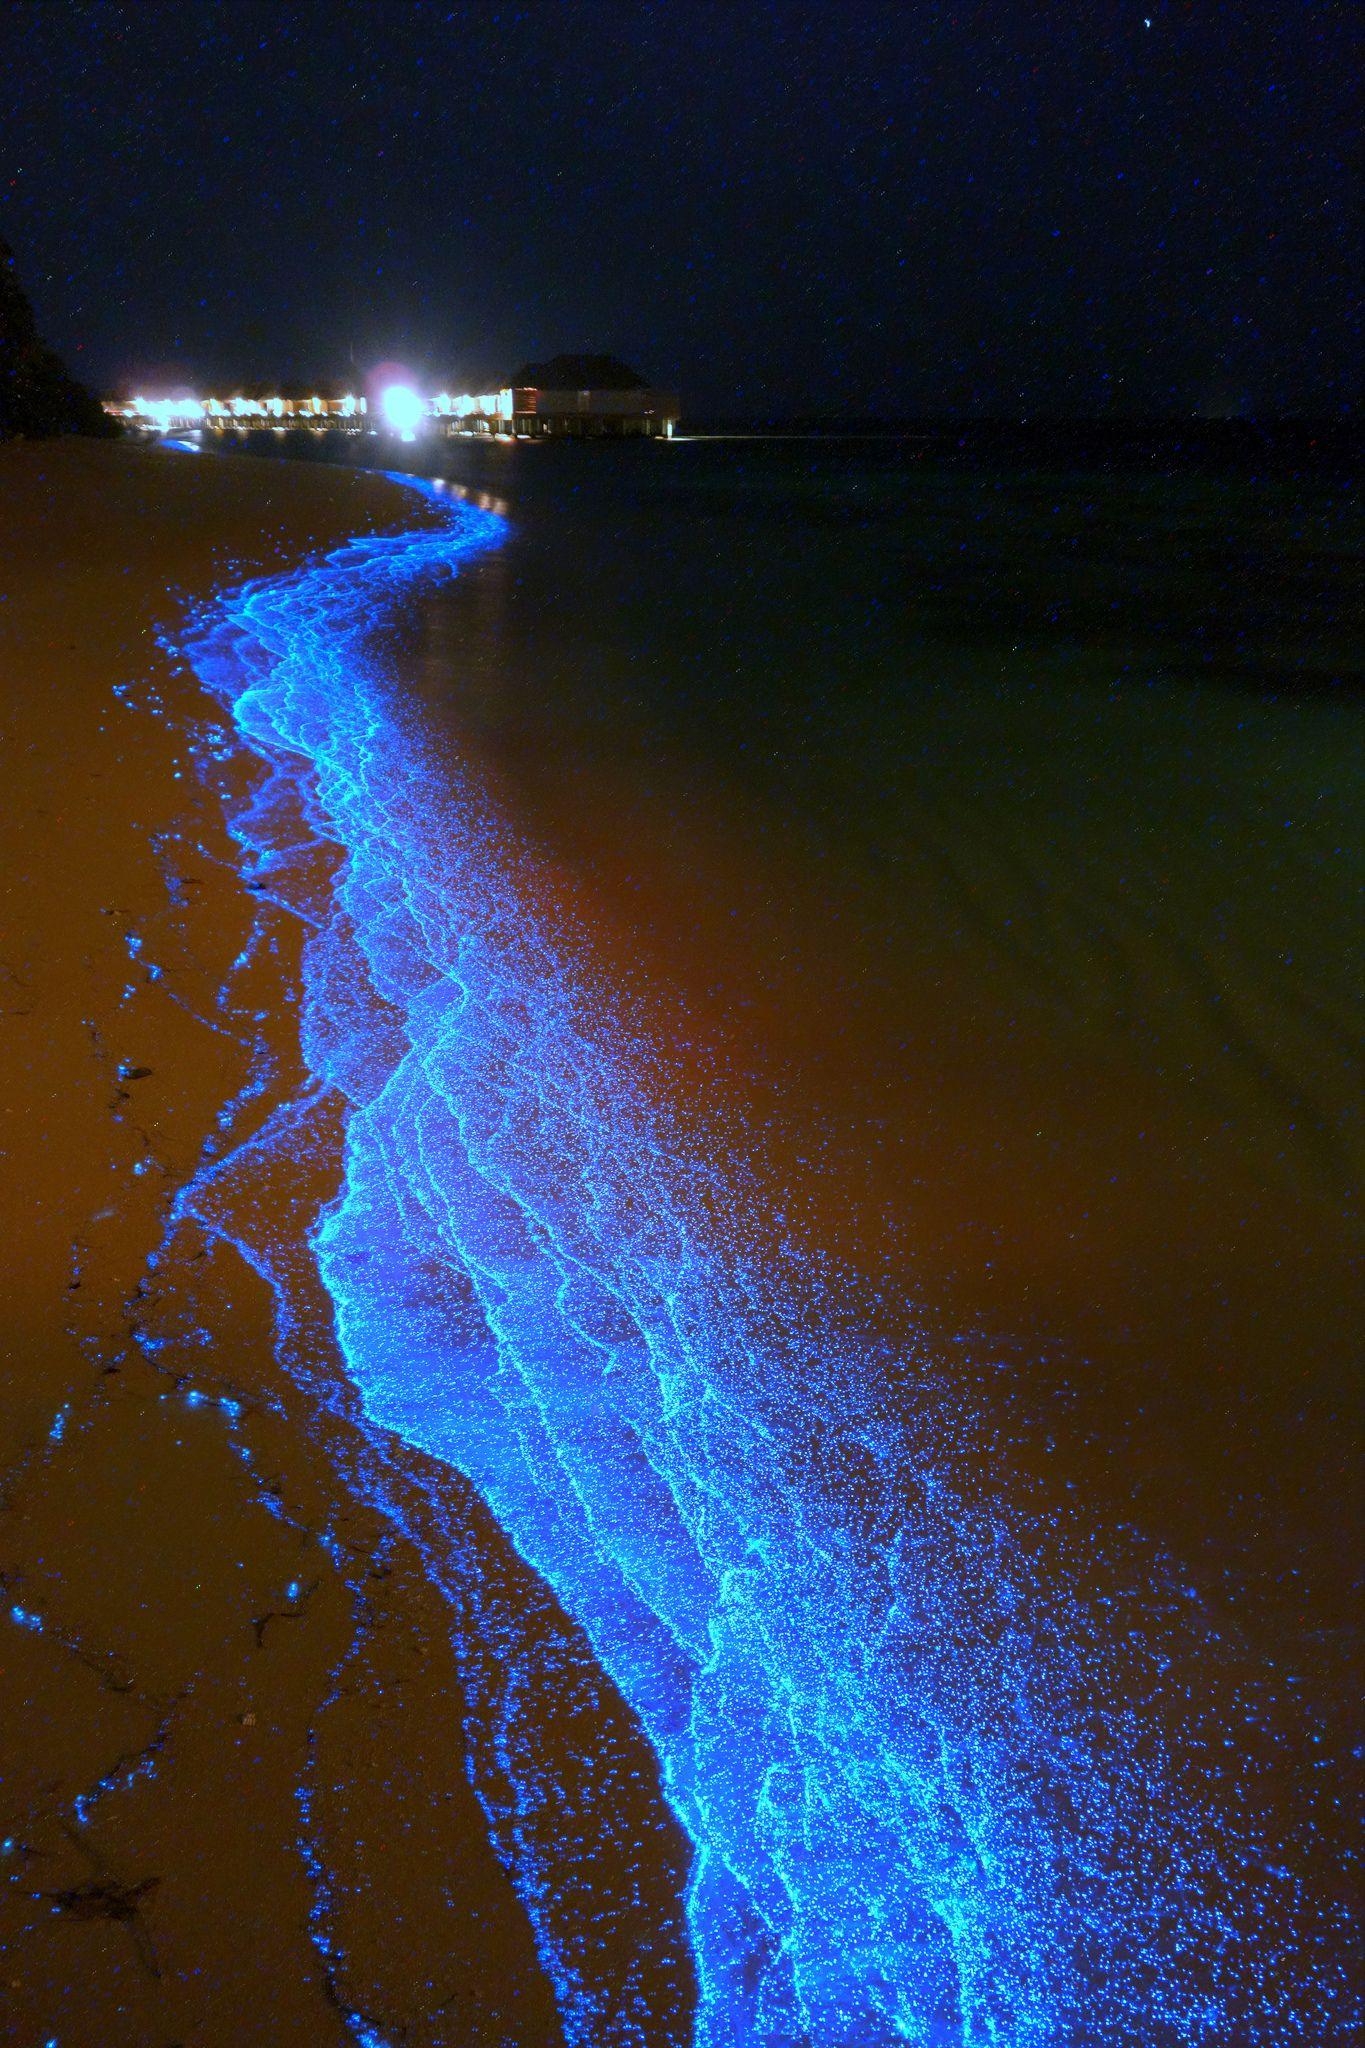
(862, 1186)
(990, 839)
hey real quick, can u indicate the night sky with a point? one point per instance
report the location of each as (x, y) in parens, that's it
(831, 206)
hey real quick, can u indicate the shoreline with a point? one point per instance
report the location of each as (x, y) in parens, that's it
(380, 1610)
(202, 1618)
(470, 1165)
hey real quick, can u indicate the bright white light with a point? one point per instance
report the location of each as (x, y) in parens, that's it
(403, 409)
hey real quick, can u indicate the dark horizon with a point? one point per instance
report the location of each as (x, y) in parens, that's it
(951, 212)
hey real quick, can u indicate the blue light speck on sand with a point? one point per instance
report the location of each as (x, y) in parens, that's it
(928, 1787)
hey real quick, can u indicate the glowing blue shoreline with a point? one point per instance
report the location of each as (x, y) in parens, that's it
(922, 1809)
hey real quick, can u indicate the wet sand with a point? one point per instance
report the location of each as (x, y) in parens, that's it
(200, 1616)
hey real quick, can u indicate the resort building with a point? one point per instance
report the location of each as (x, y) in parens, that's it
(245, 407)
(580, 396)
(588, 395)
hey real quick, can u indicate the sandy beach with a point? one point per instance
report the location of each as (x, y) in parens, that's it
(200, 1619)
(523, 1268)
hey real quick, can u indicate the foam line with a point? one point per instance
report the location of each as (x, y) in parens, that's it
(931, 1789)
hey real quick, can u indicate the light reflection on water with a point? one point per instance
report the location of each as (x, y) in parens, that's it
(949, 1758)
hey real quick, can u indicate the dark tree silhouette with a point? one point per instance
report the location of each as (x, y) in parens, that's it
(37, 397)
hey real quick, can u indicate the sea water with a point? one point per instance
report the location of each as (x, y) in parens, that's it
(837, 978)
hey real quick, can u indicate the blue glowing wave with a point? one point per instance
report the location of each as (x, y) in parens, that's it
(928, 1787)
